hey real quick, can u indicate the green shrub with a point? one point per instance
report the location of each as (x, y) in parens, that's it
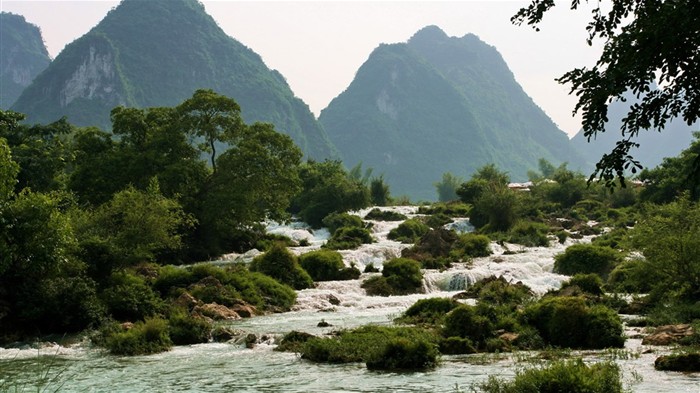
(451, 209)
(588, 283)
(400, 276)
(471, 245)
(378, 286)
(400, 354)
(322, 265)
(268, 239)
(348, 238)
(529, 234)
(363, 344)
(428, 311)
(433, 248)
(130, 298)
(497, 291)
(277, 296)
(370, 268)
(439, 220)
(571, 376)
(186, 329)
(586, 258)
(409, 231)
(384, 215)
(403, 275)
(456, 346)
(464, 321)
(632, 276)
(335, 221)
(144, 338)
(282, 265)
(569, 322)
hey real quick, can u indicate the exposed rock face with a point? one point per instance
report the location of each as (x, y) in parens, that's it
(22, 56)
(94, 79)
(668, 334)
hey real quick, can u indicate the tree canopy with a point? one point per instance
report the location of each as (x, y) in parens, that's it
(651, 48)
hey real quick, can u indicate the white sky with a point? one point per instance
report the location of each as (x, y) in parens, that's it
(318, 46)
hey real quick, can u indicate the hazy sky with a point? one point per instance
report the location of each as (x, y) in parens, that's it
(318, 46)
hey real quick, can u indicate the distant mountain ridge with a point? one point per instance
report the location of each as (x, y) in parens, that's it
(654, 146)
(23, 56)
(157, 53)
(440, 104)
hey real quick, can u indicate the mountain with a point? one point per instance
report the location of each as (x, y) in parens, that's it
(653, 145)
(23, 56)
(157, 53)
(440, 104)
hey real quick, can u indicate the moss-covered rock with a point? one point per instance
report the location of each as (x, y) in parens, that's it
(409, 231)
(384, 215)
(685, 362)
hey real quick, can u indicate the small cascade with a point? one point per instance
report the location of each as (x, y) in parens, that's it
(460, 225)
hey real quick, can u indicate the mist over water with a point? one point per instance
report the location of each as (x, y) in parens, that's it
(230, 367)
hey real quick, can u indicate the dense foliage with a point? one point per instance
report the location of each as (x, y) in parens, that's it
(637, 53)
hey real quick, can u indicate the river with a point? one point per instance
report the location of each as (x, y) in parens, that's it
(230, 367)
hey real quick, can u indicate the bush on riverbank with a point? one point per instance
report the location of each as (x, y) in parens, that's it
(400, 276)
(225, 286)
(568, 322)
(384, 215)
(370, 343)
(283, 266)
(348, 238)
(186, 329)
(586, 258)
(327, 265)
(471, 245)
(427, 311)
(143, 338)
(409, 231)
(571, 376)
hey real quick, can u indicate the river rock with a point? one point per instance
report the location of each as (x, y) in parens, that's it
(186, 301)
(222, 334)
(244, 310)
(250, 340)
(216, 312)
(668, 334)
(332, 299)
(686, 362)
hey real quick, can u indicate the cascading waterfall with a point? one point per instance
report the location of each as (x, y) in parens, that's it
(342, 305)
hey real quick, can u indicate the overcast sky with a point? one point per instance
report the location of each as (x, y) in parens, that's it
(318, 46)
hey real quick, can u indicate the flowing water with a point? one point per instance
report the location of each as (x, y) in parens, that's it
(230, 367)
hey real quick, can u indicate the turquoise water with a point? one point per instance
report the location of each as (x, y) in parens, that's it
(229, 367)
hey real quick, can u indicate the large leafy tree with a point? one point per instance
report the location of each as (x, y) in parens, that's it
(39, 150)
(651, 48)
(212, 117)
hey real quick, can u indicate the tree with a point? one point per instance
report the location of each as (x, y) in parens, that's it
(257, 177)
(137, 225)
(327, 188)
(667, 181)
(39, 150)
(669, 238)
(212, 117)
(379, 191)
(8, 172)
(447, 188)
(645, 43)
